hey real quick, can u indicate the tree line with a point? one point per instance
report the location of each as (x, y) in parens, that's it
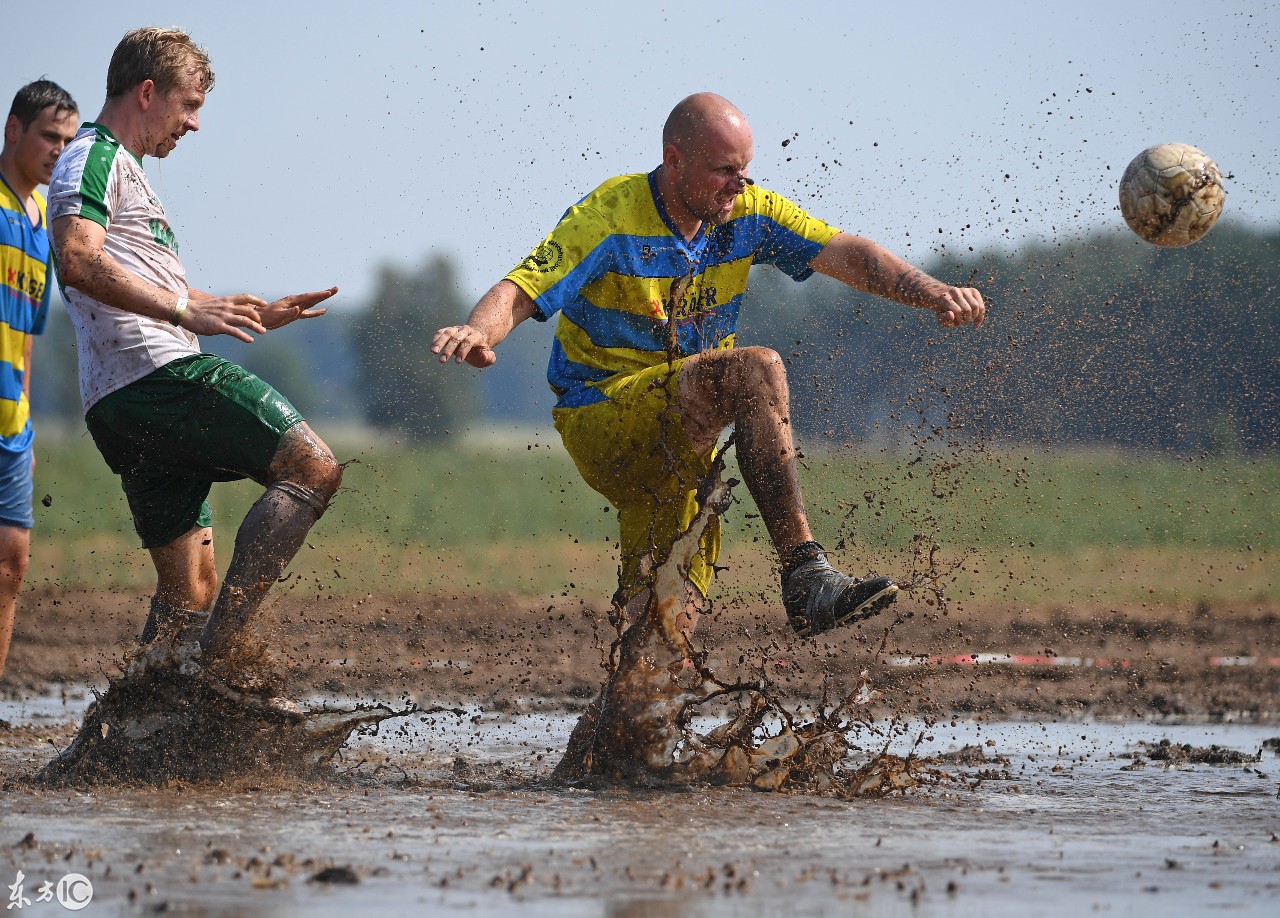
(1097, 342)
(1103, 342)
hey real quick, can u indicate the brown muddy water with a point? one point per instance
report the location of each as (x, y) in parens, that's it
(451, 813)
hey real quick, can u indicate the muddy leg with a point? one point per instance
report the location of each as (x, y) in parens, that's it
(173, 623)
(747, 387)
(186, 584)
(686, 619)
(633, 729)
(302, 478)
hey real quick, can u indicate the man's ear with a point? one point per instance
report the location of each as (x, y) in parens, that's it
(12, 128)
(672, 158)
(145, 93)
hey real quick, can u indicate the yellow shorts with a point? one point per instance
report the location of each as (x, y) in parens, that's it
(632, 449)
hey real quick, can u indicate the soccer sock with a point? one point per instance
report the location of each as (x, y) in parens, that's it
(166, 618)
(802, 553)
(271, 534)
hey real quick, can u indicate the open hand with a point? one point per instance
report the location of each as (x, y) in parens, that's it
(463, 343)
(295, 306)
(225, 315)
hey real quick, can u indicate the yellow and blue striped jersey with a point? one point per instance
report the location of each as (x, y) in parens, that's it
(25, 272)
(615, 265)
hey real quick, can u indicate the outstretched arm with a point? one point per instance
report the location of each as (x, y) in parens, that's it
(868, 266)
(501, 309)
(84, 264)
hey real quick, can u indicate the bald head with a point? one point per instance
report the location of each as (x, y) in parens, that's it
(700, 115)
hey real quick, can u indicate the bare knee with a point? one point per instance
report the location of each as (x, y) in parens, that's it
(326, 476)
(761, 370)
(752, 376)
(733, 375)
(723, 387)
(304, 459)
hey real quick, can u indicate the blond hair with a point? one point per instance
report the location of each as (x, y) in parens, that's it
(160, 55)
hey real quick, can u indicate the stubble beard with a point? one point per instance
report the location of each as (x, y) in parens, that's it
(711, 213)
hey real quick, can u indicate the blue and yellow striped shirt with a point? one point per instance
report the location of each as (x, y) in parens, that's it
(25, 272)
(610, 265)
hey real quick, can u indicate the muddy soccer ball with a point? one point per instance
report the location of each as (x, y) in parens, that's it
(1171, 194)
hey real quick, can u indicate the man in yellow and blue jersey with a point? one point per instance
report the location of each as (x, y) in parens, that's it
(42, 120)
(648, 274)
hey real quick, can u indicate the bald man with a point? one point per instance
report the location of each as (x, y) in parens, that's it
(648, 274)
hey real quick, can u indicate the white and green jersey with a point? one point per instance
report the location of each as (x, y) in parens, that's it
(98, 179)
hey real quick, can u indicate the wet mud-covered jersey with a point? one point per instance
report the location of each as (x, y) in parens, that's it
(615, 267)
(25, 274)
(98, 179)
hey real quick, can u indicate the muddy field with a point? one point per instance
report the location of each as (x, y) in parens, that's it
(1066, 801)
(508, 653)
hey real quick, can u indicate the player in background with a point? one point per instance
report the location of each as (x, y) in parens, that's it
(168, 419)
(42, 120)
(648, 273)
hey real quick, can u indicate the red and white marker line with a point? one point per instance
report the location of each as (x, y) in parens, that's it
(1006, 659)
(1023, 659)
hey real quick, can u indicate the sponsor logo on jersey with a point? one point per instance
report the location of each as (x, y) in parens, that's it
(545, 258)
(25, 284)
(163, 235)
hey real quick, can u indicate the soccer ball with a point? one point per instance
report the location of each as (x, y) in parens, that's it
(1171, 194)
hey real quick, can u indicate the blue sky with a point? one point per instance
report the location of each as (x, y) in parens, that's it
(341, 136)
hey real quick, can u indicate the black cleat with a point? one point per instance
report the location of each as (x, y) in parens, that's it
(818, 597)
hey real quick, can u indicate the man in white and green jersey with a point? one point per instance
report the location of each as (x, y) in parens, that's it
(168, 419)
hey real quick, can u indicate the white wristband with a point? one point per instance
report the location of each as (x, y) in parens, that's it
(179, 310)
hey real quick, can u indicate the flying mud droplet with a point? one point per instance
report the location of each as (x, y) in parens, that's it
(167, 719)
(638, 729)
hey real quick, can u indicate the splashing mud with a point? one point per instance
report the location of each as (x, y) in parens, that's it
(1174, 755)
(638, 730)
(166, 718)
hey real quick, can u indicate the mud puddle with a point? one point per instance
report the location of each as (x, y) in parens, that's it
(58, 704)
(448, 812)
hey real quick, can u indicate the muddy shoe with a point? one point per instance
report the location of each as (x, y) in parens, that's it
(253, 684)
(260, 699)
(172, 625)
(818, 597)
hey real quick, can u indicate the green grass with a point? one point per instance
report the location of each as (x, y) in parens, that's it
(475, 516)
(1061, 503)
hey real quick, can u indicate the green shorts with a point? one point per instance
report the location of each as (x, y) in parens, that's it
(171, 434)
(632, 448)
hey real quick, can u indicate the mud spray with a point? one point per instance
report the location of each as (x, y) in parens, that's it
(638, 730)
(167, 718)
